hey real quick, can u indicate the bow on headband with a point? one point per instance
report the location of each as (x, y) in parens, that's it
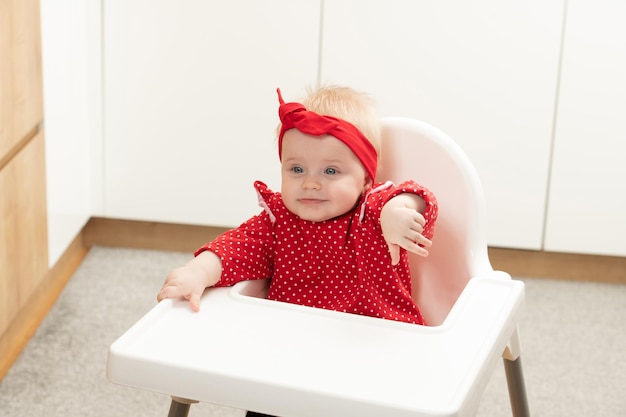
(295, 115)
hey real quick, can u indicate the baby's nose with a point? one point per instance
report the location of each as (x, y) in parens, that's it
(311, 183)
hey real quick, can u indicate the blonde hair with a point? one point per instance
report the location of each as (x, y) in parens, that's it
(348, 104)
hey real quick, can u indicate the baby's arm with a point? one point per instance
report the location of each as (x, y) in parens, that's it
(190, 280)
(402, 225)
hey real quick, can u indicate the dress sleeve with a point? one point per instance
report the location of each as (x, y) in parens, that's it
(376, 201)
(248, 251)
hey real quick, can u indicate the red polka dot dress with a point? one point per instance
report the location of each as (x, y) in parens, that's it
(342, 264)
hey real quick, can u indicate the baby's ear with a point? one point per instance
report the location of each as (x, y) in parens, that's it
(367, 183)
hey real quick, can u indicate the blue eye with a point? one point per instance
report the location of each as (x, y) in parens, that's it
(297, 170)
(330, 171)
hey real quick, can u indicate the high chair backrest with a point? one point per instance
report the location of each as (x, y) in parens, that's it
(412, 149)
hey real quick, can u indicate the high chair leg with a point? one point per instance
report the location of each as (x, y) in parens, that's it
(517, 387)
(180, 407)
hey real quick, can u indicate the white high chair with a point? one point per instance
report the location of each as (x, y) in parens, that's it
(287, 360)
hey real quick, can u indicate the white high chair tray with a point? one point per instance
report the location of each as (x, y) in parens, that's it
(251, 353)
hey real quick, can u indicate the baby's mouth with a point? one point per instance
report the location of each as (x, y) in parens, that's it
(311, 201)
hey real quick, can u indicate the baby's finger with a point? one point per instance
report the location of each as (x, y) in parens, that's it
(419, 219)
(168, 291)
(417, 227)
(416, 244)
(423, 241)
(394, 252)
(416, 249)
(194, 301)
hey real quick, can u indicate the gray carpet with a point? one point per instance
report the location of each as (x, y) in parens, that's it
(573, 335)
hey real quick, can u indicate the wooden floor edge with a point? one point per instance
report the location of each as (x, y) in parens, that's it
(24, 326)
(559, 266)
(138, 234)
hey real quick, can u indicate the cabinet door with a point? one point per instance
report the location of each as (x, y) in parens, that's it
(484, 72)
(20, 73)
(587, 206)
(191, 106)
(23, 237)
(71, 50)
(23, 243)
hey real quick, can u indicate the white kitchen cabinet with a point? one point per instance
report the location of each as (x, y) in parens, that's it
(190, 104)
(484, 72)
(72, 85)
(587, 204)
(190, 109)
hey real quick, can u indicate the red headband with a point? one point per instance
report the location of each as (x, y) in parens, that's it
(296, 115)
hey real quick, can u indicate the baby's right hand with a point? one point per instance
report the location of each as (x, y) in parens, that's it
(188, 282)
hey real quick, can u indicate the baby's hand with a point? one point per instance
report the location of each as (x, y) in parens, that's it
(190, 281)
(402, 225)
(186, 282)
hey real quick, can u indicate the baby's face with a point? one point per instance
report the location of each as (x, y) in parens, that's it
(321, 177)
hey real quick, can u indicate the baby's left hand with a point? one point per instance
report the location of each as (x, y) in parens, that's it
(402, 225)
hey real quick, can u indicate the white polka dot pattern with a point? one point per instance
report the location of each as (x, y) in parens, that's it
(341, 264)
